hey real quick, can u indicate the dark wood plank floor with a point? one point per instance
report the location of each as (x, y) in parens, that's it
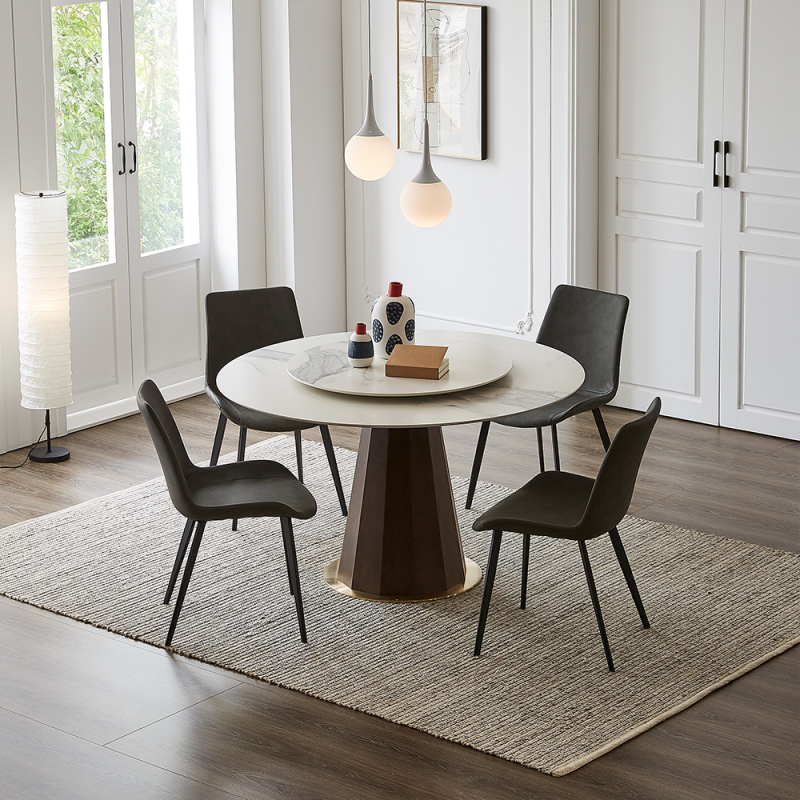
(88, 714)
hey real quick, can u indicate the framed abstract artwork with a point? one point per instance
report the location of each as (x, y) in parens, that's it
(456, 78)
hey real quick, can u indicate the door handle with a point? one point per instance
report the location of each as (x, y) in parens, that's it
(716, 154)
(134, 167)
(726, 180)
(122, 171)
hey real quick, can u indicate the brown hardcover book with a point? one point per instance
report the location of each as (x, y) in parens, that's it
(417, 361)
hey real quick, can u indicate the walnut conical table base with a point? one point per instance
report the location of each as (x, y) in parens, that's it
(402, 542)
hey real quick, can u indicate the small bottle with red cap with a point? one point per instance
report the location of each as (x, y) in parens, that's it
(360, 350)
(393, 320)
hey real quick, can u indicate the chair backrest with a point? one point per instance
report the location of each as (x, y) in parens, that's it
(175, 461)
(244, 320)
(613, 487)
(588, 325)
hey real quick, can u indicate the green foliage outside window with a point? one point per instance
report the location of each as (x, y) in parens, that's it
(158, 110)
(81, 125)
(80, 130)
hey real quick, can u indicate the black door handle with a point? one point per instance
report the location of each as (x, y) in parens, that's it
(134, 167)
(122, 171)
(726, 148)
(716, 153)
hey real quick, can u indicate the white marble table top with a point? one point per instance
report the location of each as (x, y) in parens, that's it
(540, 376)
(325, 366)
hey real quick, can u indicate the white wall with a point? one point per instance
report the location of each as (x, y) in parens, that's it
(303, 147)
(235, 132)
(523, 220)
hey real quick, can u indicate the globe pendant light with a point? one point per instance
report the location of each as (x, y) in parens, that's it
(425, 201)
(369, 154)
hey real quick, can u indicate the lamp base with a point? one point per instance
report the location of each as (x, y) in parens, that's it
(41, 455)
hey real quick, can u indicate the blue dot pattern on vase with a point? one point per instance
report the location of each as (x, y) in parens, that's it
(410, 330)
(392, 342)
(393, 312)
(377, 330)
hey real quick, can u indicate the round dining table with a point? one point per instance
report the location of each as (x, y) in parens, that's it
(401, 540)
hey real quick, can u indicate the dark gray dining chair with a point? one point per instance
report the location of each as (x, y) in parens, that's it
(562, 505)
(587, 325)
(241, 321)
(230, 491)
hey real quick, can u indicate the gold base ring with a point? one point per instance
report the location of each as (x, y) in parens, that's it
(471, 579)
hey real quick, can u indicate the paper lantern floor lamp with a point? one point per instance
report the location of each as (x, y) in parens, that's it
(43, 308)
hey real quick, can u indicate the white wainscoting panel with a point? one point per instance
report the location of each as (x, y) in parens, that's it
(171, 305)
(659, 200)
(769, 214)
(660, 79)
(770, 323)
(94, 341)
(661, 345)
(772, 77)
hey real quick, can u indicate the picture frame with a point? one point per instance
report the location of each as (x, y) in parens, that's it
(456, 78)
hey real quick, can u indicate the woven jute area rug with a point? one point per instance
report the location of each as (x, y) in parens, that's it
(540, 694)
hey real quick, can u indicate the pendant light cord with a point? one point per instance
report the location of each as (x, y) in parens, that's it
(425, 53)
(369, 35)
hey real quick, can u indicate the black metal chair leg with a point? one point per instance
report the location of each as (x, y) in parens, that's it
(176, 567)
(601, 428)
(240, 457)
(476, 463)
(294, 575)
(541, 449)
(526, 557)
(337, 481)
(488, 585)
(218, 437)
(298, 449)
(596, 603)
(288, 558)
(242, 444)
(556, 457)
(622, 557)
(187, 576)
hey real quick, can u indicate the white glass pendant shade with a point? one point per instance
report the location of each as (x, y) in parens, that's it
(425, 201)
(369, 154)
(43, 300)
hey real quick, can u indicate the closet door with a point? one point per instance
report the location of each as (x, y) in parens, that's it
(760, 318)
(659, 231)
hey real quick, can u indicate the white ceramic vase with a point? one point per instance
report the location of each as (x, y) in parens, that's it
(393, 320)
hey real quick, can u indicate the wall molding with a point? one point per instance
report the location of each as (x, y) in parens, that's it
(471, 323)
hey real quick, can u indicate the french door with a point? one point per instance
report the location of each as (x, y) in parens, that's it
(700, 206)
(128, 80)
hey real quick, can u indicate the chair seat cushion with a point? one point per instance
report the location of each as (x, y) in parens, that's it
(552, 504)
(576, 403)
(248, 489)
(255, 420)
